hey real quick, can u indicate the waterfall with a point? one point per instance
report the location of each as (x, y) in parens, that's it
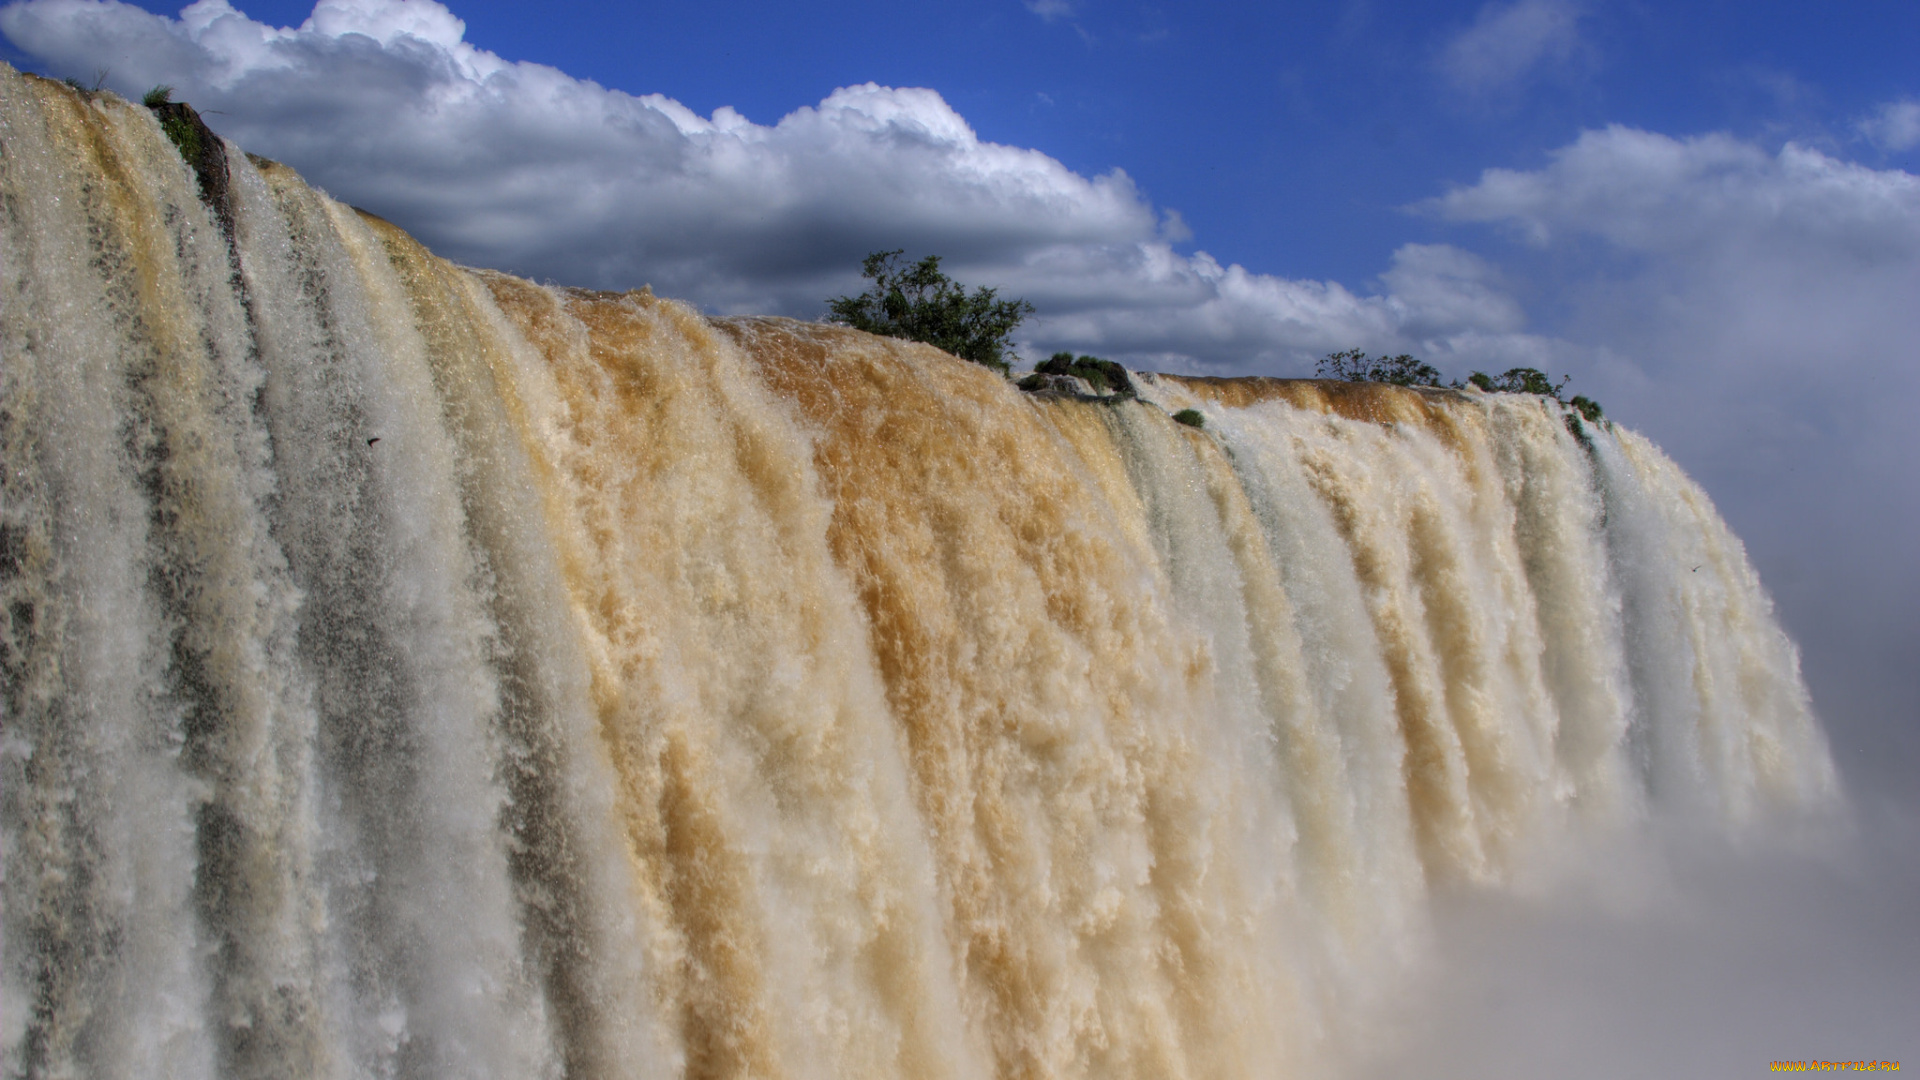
(413, 671)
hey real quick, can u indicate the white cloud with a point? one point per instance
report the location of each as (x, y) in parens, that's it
(1441, 289)
(1152, 307)
(1507, 41)
(1691, 197)
(1051, 9)
(1165, 310)
(1894, 126)
(1722, 261)
(522, 167)
(381, 102)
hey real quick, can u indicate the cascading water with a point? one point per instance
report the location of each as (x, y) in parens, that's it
(413, 671)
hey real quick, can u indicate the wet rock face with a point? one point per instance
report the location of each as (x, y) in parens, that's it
(203, 152)
(1048, 383)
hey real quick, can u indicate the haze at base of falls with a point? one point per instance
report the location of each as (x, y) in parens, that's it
(411, 670)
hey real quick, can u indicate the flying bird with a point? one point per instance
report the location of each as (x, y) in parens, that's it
(373, 440)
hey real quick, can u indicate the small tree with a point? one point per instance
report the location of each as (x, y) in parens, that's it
(1403, 370)
(1520, 380)
(1355, 366)
(1103, 375)
(1526, 380)
(922, 304)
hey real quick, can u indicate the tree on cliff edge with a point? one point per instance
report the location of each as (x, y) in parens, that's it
(1356, 366)
(922, 304)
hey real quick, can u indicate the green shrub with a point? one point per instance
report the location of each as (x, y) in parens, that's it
(922, 304)
(1191, 418)
(1356, 366)
(200, 148)
(1520, 380)
(185, 136)
(1102, 375)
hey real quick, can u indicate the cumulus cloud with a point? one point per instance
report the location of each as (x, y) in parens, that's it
(1507, 42)
(1894, 126)
(1183, 313)
(1702, 196)
(1754, 310)
(522, 167)
(383, 103)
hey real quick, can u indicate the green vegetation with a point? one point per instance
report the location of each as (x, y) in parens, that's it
(1355, 366)
(1403, 370)
(179, 121)
(1526, 380)
(1104, 376)
(184, 134)
(920, 303)
(1583, 406)
(1191, 418)
(200, 148)
(1520, 380)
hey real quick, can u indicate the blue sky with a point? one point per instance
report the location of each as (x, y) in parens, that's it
(1705, 212)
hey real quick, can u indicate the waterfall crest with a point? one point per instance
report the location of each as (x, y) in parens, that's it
(410, 670)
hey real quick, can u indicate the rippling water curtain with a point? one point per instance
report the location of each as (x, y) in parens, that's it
(413, 671)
